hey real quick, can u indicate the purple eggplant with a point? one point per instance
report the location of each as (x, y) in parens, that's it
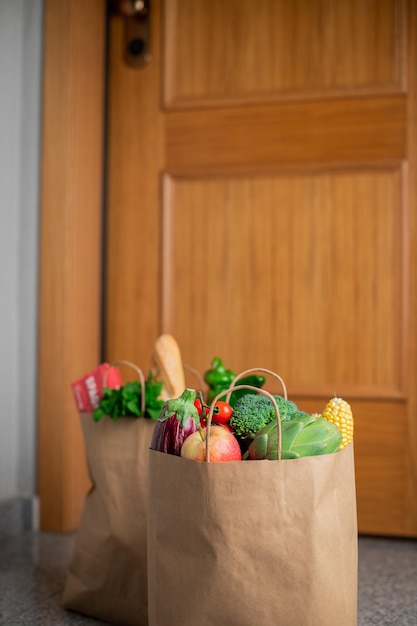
(178, 419)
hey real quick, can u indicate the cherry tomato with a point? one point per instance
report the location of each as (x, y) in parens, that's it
(222, 412)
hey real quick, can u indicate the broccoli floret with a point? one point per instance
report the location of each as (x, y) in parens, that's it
(250, 414)
(253, 412)
(288, 410)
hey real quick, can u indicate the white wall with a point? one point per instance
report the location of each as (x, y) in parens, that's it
(20, 115)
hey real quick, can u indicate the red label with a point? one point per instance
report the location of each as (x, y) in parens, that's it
(89, 389)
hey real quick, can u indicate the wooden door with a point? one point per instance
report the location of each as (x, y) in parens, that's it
(261, 207)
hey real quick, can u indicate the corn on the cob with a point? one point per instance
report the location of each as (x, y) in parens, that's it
(339, 412)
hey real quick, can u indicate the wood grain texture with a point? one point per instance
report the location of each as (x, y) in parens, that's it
(70, 266)
(308, 272)
(310, 49)
(133, 237)
(411, 270)
(354, 129)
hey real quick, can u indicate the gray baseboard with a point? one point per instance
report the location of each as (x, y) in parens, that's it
(18, 515)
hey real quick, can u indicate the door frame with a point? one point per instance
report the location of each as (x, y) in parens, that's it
(69, 328)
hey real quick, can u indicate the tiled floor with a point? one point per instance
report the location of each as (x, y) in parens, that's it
(33, 568)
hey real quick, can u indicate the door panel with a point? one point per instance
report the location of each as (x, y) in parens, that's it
(259, 209)
(233, 50)
(296, 262)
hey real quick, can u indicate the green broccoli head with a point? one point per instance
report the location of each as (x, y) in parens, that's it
(288, 410)
(253, 412)
(250, 414)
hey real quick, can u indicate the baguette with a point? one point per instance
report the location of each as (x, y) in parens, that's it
(168, 367)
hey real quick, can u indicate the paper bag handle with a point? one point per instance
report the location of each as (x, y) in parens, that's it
(258, 390)
(251, 371)
(139, 373)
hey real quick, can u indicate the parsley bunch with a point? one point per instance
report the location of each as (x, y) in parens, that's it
(126, 401)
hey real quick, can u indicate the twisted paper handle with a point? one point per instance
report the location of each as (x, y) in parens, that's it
(251, 371)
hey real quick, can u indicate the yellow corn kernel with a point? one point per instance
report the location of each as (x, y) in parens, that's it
(339, 412)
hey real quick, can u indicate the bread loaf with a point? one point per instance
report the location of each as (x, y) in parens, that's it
(168, 367)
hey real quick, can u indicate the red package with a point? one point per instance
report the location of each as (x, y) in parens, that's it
(89, 389)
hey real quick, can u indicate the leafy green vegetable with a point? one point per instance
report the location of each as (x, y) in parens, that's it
(153, 405)
(126, 401)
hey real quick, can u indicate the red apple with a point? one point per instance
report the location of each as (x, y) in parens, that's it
(223, 446)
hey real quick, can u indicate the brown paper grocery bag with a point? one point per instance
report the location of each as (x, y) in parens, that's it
(108, 573)
(251, 543)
